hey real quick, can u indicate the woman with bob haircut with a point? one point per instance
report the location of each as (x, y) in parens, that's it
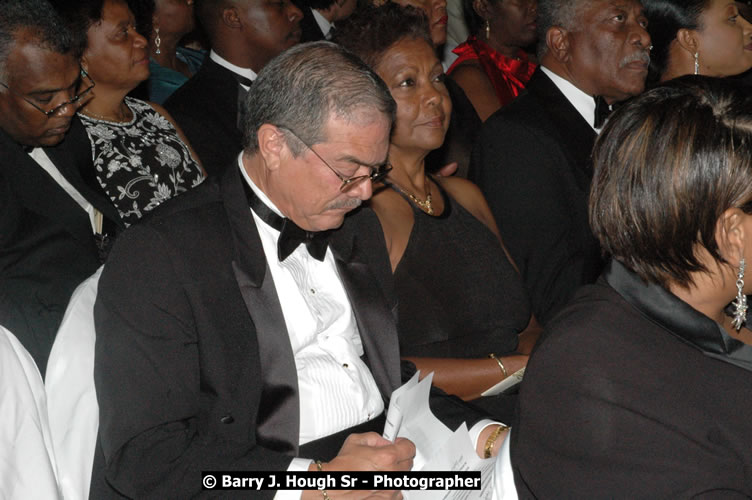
(640, 387)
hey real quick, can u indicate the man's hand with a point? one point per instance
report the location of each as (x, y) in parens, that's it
(368, 452)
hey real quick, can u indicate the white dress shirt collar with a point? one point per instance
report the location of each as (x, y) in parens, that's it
(261, 195)
(246, 72)
(582, 102)
(323, 23)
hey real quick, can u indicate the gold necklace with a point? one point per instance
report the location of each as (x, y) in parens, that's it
(96, 116)
(423, 205)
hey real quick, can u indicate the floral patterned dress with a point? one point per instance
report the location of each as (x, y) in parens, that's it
(140, 163)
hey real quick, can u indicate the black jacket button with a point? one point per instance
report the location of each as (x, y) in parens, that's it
(227, 419)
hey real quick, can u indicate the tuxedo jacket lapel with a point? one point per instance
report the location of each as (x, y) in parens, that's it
(73, 158)
(278, 423)
(40, 193)
(376, 322)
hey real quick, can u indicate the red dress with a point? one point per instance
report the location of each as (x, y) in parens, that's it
(507, 75)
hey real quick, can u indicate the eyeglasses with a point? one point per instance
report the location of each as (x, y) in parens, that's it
(57, 109)
(376, 175)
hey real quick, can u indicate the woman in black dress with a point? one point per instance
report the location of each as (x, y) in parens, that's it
(460, 296)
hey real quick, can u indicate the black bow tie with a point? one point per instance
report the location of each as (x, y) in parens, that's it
(290, 234)
(602, 110)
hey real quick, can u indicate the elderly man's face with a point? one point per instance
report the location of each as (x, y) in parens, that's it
(308, 192)
(44, 78)
(269, 27)
(609, 54)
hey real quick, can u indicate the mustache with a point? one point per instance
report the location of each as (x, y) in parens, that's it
(641, 56)
(351, 203)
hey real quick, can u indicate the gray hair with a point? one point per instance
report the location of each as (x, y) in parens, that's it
(302, 87)
(562, 13)
(39, 18)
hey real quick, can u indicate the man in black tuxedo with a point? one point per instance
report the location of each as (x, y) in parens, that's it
(233, 346)
(319, 17)
(52, 220)
(532, 159)
(244, 35)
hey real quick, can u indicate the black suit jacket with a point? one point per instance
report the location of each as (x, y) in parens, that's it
(533, 163)
(46, 242)
(311, 32)
(632, 393)
(194, 369)
(206, 109)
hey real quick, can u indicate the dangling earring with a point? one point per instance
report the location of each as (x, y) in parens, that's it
(488, 30)
(740, 303)
(697, 63)
(157, 42)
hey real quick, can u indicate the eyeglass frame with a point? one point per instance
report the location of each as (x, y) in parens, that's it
(377, 173)
(74, 100)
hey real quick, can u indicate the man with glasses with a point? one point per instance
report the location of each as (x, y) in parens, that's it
(53, 224)
(260, 332)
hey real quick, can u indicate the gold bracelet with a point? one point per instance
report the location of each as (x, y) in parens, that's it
(492, 440)
(501, 365)
(321, 469)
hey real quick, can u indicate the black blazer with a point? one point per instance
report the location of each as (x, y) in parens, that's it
(632, 393)
(206, 109)
(311, 32)
(533, 163)
(46, 242)
(194, 369)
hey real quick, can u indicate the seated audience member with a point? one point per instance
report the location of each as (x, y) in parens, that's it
(640, 386)
(55, 223)
(465, 123)
(701, 37)
(301, 350)
(492, 67)
(532, 159)
(460, 298)
(244, 35)
(140, 158)
(170, 64)
(319, 17)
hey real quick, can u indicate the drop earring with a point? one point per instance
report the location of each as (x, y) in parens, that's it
(488, 30)
(697, 63)
(740, 302)
(157, 42)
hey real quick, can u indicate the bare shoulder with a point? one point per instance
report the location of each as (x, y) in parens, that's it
(462, 190)
(478, 88)
(470, 197)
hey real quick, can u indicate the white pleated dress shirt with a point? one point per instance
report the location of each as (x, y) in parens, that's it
(336, 388)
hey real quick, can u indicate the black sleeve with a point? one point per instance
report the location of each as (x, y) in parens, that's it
(541, 212)
(155, 437)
